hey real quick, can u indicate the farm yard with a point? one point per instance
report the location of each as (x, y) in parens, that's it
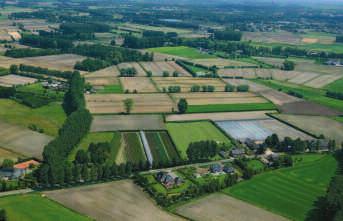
(157, 68)
(97, 201)
(259, 129)
(138, 84)
(29, 207)
(220, 207)
(306, 181)
(186, 83)
(13, 80)
(316, 125)
(126, 122)
(142, 103)
(22, 140)
(140, 71)
(184, 133)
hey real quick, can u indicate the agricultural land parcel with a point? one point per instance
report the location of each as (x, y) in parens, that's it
(30, 207)
(13, 80)
(184, 133)
(220, 62)
(98, 201)
(158, 67)
(138, 84)
(106, 76)
(290, 192)
(140, 71)
(182, 51)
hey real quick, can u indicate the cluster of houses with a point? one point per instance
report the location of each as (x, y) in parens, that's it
(168, 179)
(18, 170)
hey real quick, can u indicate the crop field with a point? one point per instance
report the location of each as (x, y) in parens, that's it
(207, 98)
(109, 89)
(98, 201)
(187, 82)
(182, 51)
(259, 129)
(49, 117)
(157, 68)
(142, 103)
(138, 84)
(248, 115)
(316, 125)
(127, 122)
(132, 150)
(336, 86)
(220, 62)
(6, 154)
(289, 192)
(12, 80)
(161, 147)
(33, 207)
(22, 140)
(323, 81)
(272, 37)
(140, 71)
(221, 207)
(107, 76)
(184, 133)
(156, 28)
(62, 62)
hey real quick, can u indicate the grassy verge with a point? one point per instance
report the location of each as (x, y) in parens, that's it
(230, 107)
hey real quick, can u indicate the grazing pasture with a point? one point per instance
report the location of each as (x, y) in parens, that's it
(22, 140)
(120, 200)
(184, 133)
(182, 51)
(13, 80)
(291, 191)
(259, 129)
(49, 117)
(138, 84)
(140, 71)
(142, 103)
(33, 207)
(127, 122)
(187, 82)
(158, 67)
(316, 125)
(221, 207)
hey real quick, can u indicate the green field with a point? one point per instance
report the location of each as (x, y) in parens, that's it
(33, 207)
(38, 89)
(157, 148)
(49, 117)
(290, 192)
(111, 89)
(185, 133)
(311, 94)
(336, 86)
(134, 148)
(230, 107)
(181, 51)
(171, 150)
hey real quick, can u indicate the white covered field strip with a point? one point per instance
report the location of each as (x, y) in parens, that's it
(146, 147)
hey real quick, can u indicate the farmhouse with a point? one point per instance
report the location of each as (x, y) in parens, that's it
(229, 169)
(237, 152)
(168, 179)
(215, 168)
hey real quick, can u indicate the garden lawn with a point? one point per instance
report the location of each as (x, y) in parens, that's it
(336, 86)
(290, 192)
(111, 89)
(33, 207)
(185, 133)
(230, 107)
(49, 117)
(181, 51)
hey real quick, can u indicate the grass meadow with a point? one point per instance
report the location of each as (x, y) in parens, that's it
(289, 192)
(336, 86)
(181, 51)
(230, 107)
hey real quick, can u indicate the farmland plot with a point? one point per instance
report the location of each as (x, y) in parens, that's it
(107, 76)
(187, 82)
(220, 62)
(303, 78)
(259, 129)
(157, 68)
(13, 80)
(142, 103)
(22, 140)
(127, 122)
(133, 148)
(138, 84)
(140, 71)
(120, 200)
(322, 81)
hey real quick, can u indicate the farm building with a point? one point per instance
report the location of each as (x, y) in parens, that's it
(168, 179)
(215, 168)
(237, 152)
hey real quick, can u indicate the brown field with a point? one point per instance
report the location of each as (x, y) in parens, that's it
(221, 207)
(6, 154)
(322, 80)
(163, 57)
(127, 122)
(139, 69)
(22, 140)
(220, 62)
(12, 80)
(308, 108)
(63, 62)
(187, 82)
(140, 84)
(310, 40)
(316, 125)
(142, 103)
(244, 115)
(157, 68)
(202, 98)
(303, 78)
(272, 37)
(120, 200)
(107, 76)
